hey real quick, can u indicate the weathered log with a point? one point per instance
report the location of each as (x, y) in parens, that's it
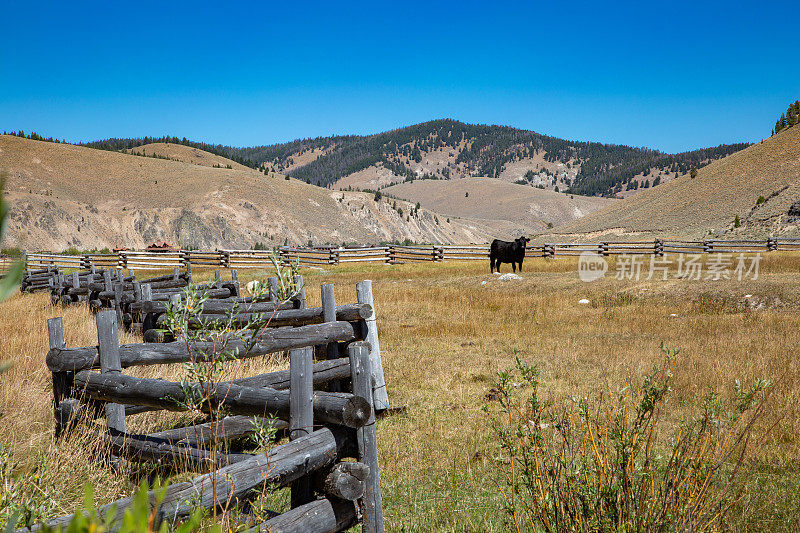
(324, 372)
(62, 380)
(329, 315)
(334, 408)
(164, 295)
(292, 317)
(301, 412)
(220, 306)
(279, 466)
(61, 359)
(344, 480)
(370, 324)
(155, 336)
(326, 515)
(128, 285)
(110, 365)
(146, 448)
(228, 429)
(362, 375)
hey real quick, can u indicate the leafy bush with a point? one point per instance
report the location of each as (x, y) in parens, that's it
(610, 464)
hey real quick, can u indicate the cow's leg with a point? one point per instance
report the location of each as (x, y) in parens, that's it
(520, 266)
(513, 266)
(491, 264)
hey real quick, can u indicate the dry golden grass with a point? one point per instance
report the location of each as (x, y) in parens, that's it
(187, 154)
(444, 337)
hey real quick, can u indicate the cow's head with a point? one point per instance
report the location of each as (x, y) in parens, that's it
(522, 242)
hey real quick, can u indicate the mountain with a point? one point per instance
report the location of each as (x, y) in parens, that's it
(489, 198)
(449, 149)
(63, 195)
(760, 185)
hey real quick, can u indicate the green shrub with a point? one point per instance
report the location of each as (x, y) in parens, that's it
(136, 519)
(615, 463)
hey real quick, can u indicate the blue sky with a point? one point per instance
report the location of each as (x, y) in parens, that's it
(668, 75)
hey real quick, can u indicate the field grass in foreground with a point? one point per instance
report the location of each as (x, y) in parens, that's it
(444, 336)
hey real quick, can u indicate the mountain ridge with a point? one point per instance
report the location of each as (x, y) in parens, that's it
(448, 148)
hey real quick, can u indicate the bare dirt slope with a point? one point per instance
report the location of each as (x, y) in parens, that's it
(686, 207)
(495, 199)
(63, 195)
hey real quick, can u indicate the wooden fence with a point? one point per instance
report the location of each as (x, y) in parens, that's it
(326, 409)
(390, 254)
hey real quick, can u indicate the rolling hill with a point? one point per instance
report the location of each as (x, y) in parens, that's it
(63, 195)
(187, 154)
(760, 184)
(449, 149)
(489, 198)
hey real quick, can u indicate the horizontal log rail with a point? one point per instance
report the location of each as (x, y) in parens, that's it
(279, 466)
(290, 317)
(270, 341)
(331, 407)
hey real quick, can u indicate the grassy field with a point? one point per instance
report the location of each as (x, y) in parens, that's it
(445, 334)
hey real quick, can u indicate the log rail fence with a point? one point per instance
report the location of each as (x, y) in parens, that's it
(390, 254)
(326, 408)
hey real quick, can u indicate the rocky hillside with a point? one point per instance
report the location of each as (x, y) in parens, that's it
(64, 196)
(759, 186)
(448, 149)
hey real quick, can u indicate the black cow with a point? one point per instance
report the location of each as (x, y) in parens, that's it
(507, 252)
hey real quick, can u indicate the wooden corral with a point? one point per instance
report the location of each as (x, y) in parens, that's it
(326, 408)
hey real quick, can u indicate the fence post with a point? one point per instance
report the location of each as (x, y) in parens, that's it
(235, 280)
(86, 262)
(301, 411)
(301, 295)
(107, 286)
(108, 346)
(361, 376)
(147, 319)
(272, 282)
(329, 315)
(62, 381)
(118, 291)
(76, 284)
(364, 296)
